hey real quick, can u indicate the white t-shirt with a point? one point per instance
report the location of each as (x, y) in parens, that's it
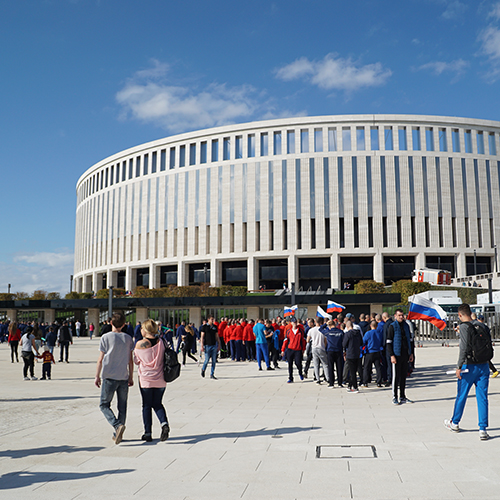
(116, 347)
(317, 338)
(26, 345)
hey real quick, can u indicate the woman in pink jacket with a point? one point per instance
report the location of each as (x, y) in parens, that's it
(148, 355)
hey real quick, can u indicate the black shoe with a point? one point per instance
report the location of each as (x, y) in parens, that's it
(260, 368)
(165, 431)
(203, 373)
(270, 368)
(213, 377)
(147, 437)
(276, 366)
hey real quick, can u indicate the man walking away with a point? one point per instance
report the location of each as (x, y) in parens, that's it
(475, 350)
(117, 367)
(65, 338)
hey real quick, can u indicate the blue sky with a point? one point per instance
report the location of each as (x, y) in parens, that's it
(84, 79)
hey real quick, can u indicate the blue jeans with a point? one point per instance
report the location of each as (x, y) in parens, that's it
(151, 400)
(479, 375)
(210, 353)
(262, 354)
(108, 389)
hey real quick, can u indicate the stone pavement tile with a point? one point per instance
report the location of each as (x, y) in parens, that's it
(484, 489)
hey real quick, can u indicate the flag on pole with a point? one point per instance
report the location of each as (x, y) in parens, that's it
(290, 311)
(425, 309)
(334, 307)
(320, 313)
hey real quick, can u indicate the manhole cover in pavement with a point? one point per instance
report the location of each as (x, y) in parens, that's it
(346, 451)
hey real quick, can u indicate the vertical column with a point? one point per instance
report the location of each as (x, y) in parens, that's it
(195, 315)
(12, 314)
(130, 279)
(214, 272)
(420, 260)
(182, 274)
(141, 314)
(335, 271)
(461, 265)
(378, 267)
(252, 276)
(152, 276)
(293, 275)
(93, 317)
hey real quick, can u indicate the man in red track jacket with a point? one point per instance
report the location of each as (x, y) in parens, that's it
(294, 346)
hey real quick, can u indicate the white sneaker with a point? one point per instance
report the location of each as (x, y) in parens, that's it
(26, 378)
(451, 426)
(34, 378)
(483, 435)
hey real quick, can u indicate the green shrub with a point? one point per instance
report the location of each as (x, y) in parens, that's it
(7, 296)
(369, 286)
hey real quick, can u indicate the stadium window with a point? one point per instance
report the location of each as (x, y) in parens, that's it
(192, 154)
(318, 140)
(215, 149)
(290, 142)
(468, 141)
(182, 156)
(346, 139)
(389, 145)
(374, 139)
(443, 146)
(403, 145)
(264, 144)
(226, 149)
(172, 158)
(480, 143)
(238, 153)
(360, 138)
(304, 141)
(251, 146)
(332, 139)
(455, 138)
(277, 143)
(417, 146)
(203, 152)
(492, 145)
(429, 139)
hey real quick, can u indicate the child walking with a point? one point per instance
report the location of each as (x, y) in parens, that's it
(48, 359)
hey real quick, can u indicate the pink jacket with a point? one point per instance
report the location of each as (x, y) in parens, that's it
(150, 362)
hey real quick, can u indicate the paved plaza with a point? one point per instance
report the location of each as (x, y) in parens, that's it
(247, 435)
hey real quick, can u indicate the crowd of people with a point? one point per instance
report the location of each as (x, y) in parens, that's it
(342, 351)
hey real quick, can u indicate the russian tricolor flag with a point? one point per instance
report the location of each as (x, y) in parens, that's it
(320, 313)
(425, 309)
(333, 307)
(290, 311)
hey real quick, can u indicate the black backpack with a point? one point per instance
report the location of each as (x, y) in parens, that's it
(171, 365)
(481, 347)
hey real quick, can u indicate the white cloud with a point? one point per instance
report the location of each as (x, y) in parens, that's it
(334, 72)
(495, 11)
(489, 38)
(454, 9)
(439, 67)
(149, 97)
(49, 271)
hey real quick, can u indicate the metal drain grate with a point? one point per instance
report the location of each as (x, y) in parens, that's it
(346, 451)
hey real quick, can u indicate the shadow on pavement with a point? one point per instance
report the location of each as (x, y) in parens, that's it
(22, 479)
(47, 398)
(240, 434)
(48, 450)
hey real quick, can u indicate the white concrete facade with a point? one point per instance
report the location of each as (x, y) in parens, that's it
(389, 192)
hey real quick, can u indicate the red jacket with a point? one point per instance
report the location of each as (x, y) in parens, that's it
(294, 341)
(248, 334)
(238, 332)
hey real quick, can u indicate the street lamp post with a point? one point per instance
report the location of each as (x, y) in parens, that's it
(475, 263)
(70, 283)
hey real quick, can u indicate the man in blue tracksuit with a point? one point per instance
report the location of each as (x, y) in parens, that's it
(372, 340)
(334, 338)
(478, 374)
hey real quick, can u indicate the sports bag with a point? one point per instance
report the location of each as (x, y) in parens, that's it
(171, 365)
(481, 348)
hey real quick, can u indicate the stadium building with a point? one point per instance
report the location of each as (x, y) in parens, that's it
(316, 201)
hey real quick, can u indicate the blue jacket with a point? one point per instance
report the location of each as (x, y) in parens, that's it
(334, 339)
(373, 340)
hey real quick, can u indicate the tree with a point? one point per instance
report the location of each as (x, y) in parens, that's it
(369, 286)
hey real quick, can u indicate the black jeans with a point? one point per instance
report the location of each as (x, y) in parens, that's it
(294, 356)
(64, 347)
(352, 366)
(372, 358)
(399, 372)
(29, 363)
(151, 400)
(14, 344)
(335, 358)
